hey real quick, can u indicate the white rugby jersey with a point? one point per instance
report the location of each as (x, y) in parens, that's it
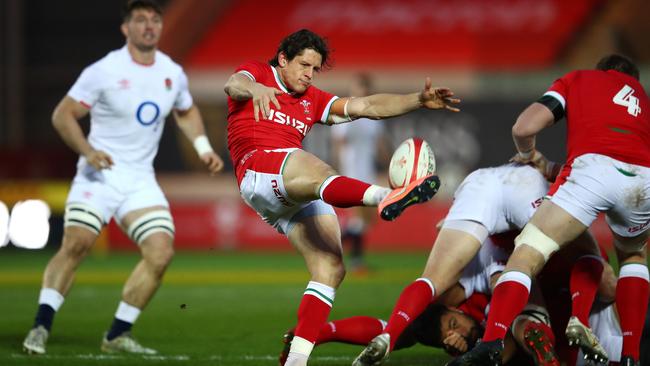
(357, 160)
(128, 105)
(476, 276)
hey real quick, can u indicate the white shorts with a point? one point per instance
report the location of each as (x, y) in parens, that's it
(501, 198)
(262, 188)
(596, 183)
(114, 192)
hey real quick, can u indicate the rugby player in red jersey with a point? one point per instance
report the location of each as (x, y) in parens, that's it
(271, 107)
(607, 170)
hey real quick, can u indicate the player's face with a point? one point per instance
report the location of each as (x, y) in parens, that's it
(298, 73)
(143, 29)
(462, 324)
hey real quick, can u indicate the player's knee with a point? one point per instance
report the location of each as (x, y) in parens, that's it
(75, 247)
(533, 237)
(158, 254)
(155, 222)
(330, 272)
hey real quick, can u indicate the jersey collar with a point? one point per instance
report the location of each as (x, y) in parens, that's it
(279, 81)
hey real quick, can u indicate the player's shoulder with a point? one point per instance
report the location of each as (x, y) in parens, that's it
(167, 62)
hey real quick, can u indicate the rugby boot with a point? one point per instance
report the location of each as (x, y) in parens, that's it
(540, 344)
(580, 335)
(483, 354)
(375, 353)
(35, 341)
(286, 341)
(419, 191)
(125, 343)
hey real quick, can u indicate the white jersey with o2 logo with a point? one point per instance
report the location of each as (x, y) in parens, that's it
(502, 198)
(128, 105)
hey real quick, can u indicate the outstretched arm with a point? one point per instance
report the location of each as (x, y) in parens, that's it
(191, 123)
(380, 106)
(240, 87)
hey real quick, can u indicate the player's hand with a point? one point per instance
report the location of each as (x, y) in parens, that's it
(213, 162)
(537, 160)
(263, 96)
(99, 159)
(455, 344)
(438, 98)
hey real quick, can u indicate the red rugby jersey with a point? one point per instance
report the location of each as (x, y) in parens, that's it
(606, 113)
(286, 127)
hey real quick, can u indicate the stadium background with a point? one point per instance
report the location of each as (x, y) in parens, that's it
(496, 55)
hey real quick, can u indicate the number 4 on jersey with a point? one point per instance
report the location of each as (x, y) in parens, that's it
(626, 98)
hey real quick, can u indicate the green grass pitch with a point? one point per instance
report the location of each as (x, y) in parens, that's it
(214, 308)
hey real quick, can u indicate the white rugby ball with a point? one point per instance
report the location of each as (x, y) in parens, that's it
(413, 159)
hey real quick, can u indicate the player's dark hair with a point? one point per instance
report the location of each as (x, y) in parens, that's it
(619, 63)
(426, 327)
(295, 43)
(132, 5)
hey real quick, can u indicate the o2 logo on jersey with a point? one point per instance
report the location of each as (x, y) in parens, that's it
(626, 98)
(148, 113)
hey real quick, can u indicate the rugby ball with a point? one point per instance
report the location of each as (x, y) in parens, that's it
(413, 159)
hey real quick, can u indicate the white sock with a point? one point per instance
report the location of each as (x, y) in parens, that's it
(127, 313)
(51, 297)
(374, 194)
(299, 352)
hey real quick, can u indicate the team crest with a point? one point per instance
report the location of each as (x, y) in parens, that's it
(305, 105)
(124, 83)
(168, 84)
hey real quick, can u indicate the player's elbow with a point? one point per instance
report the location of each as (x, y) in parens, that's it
(523, 128)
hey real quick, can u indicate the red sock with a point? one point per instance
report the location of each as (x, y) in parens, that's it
(355, 330)
(585, 278)
(632, 302)
(314, 309)
(411, 303)
(340, 191)
(508, 300)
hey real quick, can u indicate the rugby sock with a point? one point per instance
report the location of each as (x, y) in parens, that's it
(508, 300)
(632, 302)
(312, 314)
(49, 302)
(343, 191)
(413, 300)
(125, 316)
(355, 330)
(585, 278)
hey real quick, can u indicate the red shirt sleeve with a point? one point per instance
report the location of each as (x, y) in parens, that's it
(323, 101)
(560, 88)
(253, 69)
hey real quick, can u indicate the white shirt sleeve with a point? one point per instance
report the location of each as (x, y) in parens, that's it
(183, 100)
(87, 89)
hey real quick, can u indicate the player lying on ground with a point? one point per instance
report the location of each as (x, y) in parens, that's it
(455, 322)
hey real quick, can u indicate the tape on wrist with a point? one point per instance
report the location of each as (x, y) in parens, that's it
(202, 145)
(527, 155)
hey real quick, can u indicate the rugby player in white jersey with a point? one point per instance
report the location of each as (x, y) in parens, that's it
(490, 201)
(128, 94)
(356, 149)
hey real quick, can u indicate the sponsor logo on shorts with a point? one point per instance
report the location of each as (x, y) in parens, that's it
(538, 202)
(279, 195)
(284, 119)
(637, 228)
